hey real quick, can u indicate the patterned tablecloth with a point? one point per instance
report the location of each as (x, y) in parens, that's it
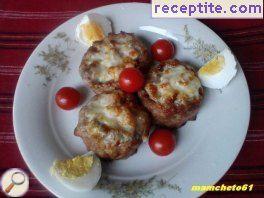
(23, 24)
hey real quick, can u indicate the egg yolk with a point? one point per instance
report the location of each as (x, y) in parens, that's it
(214, 66)
(75, 167)
(92, 32)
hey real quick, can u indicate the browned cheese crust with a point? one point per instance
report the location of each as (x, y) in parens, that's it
(113, 125)
(104, 60)
(173, 93)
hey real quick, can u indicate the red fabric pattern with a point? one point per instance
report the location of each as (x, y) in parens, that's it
(23, 24)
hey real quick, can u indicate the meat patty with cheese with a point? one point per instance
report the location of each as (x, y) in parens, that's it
(113, 125)
(105, 59)
(172, 93)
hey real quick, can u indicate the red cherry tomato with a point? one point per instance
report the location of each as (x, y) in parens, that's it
(162, 142)
(162, 50)
(67, 98)
(131, 80)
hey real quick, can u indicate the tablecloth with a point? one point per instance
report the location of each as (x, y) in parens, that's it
(24, 23)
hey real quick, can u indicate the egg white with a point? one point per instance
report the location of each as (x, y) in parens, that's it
(224, 76)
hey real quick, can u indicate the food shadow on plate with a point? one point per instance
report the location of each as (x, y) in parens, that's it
(144, 41)
(192, 65)
(85, 94)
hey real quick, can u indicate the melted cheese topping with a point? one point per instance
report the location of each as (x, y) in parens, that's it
(113, 118)
(103, 61)
(173, 84)
(107, 113)
(125, 47)
(110, 58)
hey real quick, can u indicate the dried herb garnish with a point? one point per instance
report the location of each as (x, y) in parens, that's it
(136, 188)
(55, 59)
(60, 35)
(204, 50)
(187, 36)
(44, 71)
(201, 50)
(65, 38)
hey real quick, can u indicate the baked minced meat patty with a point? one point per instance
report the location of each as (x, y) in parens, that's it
(172, 93)
(113, 125)
(104, 60)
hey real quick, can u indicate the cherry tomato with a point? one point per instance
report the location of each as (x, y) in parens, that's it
(162, 50)
(131, 80)
(67, 98)
(162, 142)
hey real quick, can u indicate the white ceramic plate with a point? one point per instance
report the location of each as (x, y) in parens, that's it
(206, 147)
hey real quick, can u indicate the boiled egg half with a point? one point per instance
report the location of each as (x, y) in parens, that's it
(219, 71)
(80, 173)
(93, 27)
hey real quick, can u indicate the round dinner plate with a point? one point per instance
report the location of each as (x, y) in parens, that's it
(206, 147)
